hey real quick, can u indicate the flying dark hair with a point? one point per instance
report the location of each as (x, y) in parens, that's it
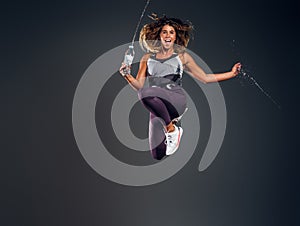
(150, 33)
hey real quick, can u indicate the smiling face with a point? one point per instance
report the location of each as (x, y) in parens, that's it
(167, 36)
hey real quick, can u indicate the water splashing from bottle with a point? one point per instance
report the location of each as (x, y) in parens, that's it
(245, 74)
(138, 24)
(129, 54)
(250, 78)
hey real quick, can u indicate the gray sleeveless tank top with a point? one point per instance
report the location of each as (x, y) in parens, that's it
(164, 71)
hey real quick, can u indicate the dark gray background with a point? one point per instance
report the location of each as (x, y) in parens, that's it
(45, 48)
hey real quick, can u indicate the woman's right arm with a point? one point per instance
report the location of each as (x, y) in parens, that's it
(138, 82)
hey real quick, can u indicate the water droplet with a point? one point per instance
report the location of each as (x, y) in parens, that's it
(254, 82)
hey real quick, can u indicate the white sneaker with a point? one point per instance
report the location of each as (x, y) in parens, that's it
(173, 140)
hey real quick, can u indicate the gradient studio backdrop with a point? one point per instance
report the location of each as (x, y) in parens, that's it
(46, 46)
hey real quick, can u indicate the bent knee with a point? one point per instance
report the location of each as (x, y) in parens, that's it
(146, 92)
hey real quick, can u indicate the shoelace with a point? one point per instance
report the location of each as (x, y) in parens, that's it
(170, 140)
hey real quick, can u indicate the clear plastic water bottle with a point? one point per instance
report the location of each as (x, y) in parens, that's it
(128, 58)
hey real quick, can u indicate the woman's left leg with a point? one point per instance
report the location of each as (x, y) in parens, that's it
(164, 106)
(157, 137)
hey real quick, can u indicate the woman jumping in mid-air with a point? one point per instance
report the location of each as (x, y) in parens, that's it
(165, 40)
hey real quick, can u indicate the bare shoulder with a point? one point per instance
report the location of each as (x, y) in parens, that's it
(185, 57)
(145, 57)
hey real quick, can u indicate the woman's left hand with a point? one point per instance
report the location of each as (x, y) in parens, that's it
(236, 69)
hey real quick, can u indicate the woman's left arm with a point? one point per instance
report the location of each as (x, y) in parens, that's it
(197, 72)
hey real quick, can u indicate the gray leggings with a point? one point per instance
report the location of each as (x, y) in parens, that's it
(164, 105)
